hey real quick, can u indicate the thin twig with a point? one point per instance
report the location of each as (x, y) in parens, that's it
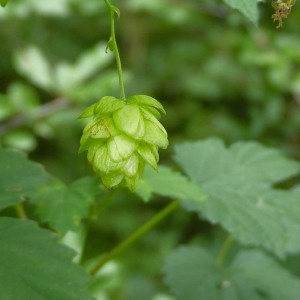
(135, 236)
(39, 113)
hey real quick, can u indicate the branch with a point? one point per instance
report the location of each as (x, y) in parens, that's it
(40, 113)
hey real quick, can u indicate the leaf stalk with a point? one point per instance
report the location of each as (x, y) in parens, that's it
(224, 250)
(20, 211)
(135, 236)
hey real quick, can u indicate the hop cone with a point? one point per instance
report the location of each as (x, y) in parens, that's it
(122, 136)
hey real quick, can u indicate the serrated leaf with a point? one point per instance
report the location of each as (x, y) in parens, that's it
(238, 181)
(64, 207)
(192, 274)
(3, 2)
(33, 265)
(287, 214)
(248, 8)
(168, 183)
(18, 177)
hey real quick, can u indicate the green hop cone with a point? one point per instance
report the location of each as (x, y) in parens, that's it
(122, 137)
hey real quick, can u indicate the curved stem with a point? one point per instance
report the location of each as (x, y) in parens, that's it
(112, 44)
(135, 236)
(224, 250)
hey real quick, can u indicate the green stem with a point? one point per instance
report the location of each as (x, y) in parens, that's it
(135, 236)
(114, 47)
(20, 211)
(224, 250)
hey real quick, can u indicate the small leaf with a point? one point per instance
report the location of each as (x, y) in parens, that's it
(18, 177)
(168, 183)
(33, 265)
(116, 10)
(247, 7)
(64, 207)
(110, 45)
(192, 274)
(3, 2)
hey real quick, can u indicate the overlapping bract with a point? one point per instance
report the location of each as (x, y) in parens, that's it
(122, 136)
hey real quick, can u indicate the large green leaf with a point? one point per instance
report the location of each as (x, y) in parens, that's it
(168, 183)
(18, 177)
(34, 266)
(238, 181)
(64, 207)
(192, 274)
(247, 7)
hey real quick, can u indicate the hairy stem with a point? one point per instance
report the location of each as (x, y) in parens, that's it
(224, 250)
(135, 236)
(112, 45)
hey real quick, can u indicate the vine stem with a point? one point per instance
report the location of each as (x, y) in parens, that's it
(20, 211)
(135, 236)
(112, 45)
(224, 250)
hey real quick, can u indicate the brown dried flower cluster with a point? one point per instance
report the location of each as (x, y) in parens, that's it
(282, 10)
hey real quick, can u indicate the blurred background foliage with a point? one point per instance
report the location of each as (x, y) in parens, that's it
(215, 73)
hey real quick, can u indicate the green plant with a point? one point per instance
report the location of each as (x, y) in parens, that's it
(245, 193)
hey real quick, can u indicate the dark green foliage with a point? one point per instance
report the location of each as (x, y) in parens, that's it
(34, 266)
(192, 274)
(18, 177)
(65, 207)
